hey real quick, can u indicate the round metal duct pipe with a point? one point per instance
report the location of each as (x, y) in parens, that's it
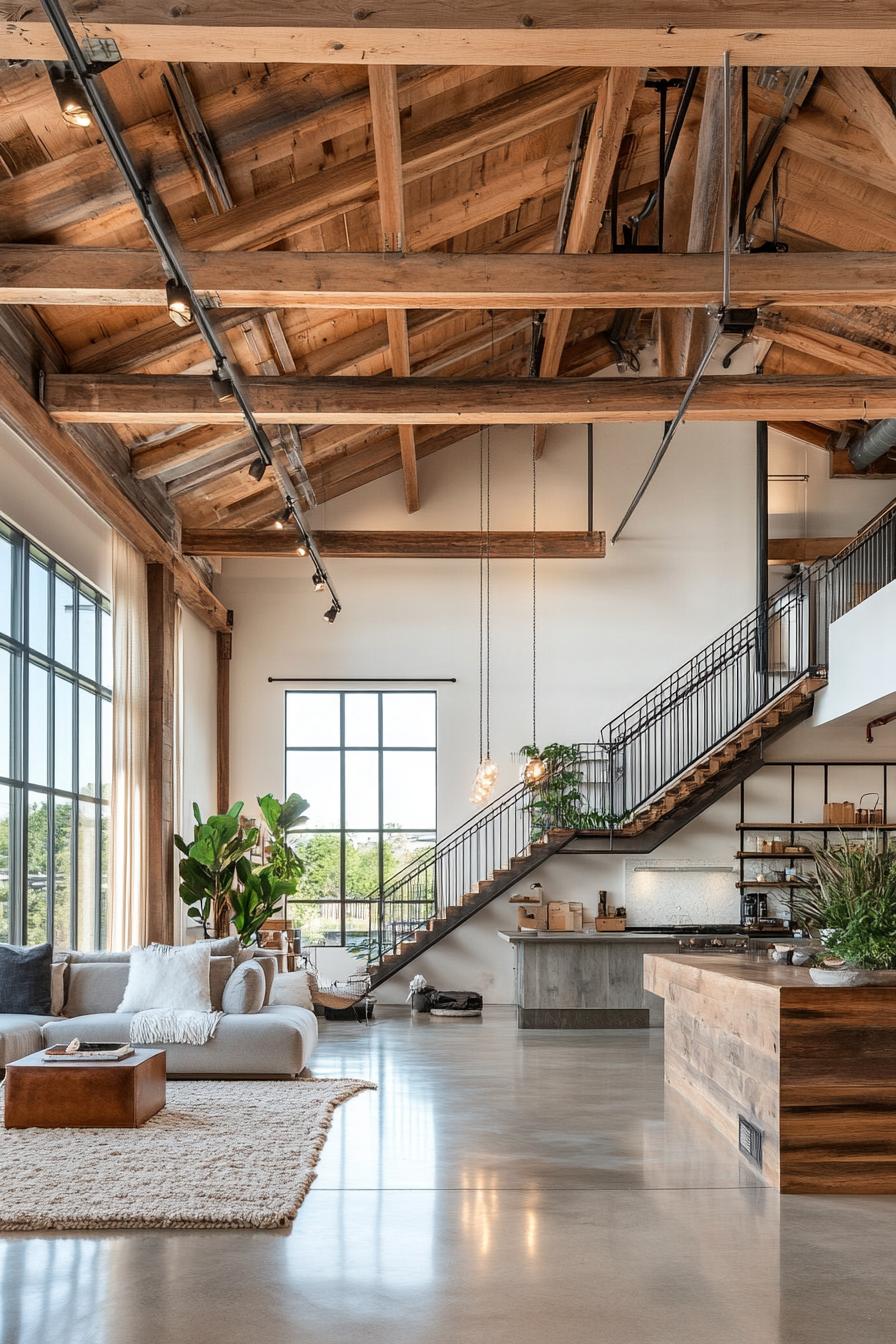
(872, 444)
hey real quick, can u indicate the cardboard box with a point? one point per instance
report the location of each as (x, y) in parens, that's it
(560, 917)
(610, 923)
(535, 919)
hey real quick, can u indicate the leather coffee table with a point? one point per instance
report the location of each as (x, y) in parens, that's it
(42, 1093)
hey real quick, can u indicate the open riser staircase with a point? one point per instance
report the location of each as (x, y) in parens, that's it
(654, 768)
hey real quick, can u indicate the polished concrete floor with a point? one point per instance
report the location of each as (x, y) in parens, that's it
(500, 1186)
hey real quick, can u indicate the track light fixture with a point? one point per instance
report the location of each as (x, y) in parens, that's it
(177, 297)
(258, 468)
(284, 518)
(302, 548)
(318, 583)
(69, 95)
(331, 613)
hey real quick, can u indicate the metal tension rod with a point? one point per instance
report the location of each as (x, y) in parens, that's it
(159, 227)
(718, 311)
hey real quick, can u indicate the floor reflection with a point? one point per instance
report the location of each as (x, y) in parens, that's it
(515, 1189)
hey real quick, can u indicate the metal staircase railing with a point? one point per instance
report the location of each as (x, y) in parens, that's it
(643, 750)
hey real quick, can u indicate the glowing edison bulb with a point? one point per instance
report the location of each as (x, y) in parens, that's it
(534, 771)
(484, 781)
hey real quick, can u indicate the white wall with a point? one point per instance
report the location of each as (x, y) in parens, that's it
(607, 630)
(861, 659)
(39, 502)
(818, 506)
(199, 683)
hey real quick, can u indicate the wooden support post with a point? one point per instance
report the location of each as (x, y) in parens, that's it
(225, 652)
(161, 607)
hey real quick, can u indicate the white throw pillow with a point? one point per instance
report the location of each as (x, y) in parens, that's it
(292, 988)
(168, 977)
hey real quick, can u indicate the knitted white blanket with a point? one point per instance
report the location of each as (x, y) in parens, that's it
(172, 1026)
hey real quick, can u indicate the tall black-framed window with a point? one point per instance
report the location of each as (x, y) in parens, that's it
(366, 761)
(55, 748)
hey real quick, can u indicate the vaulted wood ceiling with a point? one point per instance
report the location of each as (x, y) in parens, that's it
(278, 164)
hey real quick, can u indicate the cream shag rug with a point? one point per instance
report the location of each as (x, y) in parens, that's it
(221, 1154)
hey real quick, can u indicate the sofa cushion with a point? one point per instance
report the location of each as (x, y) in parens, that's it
(292, 987)
(98, 956)
(99, 986)
(176, 978)
(274, 1043)
(244, 991)
(20, 1034)
(223, 947)
(95, 987)
(25, 979)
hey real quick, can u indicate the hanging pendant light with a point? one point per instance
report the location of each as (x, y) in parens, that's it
(535, 769)
(486, 776)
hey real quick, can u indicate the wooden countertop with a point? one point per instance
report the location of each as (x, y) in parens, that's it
(773, 976)
(528, 936)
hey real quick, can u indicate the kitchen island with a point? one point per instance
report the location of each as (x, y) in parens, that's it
(802, 1078)
(585, 980)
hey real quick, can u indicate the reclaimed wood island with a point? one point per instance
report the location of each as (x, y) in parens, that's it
(802, 1078)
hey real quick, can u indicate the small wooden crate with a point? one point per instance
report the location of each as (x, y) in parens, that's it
(610, 923)
(839, 814)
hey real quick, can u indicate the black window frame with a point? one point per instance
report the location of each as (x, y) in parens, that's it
(95, 807)
(381, 831)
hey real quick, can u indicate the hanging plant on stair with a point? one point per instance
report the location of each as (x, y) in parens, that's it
(558, 800)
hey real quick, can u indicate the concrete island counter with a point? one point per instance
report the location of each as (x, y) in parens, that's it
(801, 1077)
(585, 980)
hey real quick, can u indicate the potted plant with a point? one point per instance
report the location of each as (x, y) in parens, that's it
(557, 799)
(852, 911)
(209, 868)
(221, 886)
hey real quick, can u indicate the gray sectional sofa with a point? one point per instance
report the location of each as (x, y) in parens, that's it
(276, 1042)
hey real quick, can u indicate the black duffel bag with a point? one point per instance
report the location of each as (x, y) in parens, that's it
(455, 1003)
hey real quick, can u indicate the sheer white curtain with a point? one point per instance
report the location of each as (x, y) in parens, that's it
(127, 915)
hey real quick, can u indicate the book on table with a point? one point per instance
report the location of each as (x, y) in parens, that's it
(95, 1050)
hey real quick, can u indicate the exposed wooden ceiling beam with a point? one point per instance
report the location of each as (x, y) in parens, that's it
(244, 281)
(162, 400)
(865, 101)
(804, 550)
(35, 274)
(403, 545)
(816, 436)
(610, 120)
(27, 418)
(680, 32)
(386, 125)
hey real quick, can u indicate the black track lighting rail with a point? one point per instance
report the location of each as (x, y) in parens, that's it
(159, 227)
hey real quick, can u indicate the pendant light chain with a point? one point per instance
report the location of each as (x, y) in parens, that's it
(488, 592)
(534, 611)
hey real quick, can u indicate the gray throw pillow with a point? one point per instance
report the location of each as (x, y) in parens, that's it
(224, 947)
(244, 991)
(25, 979)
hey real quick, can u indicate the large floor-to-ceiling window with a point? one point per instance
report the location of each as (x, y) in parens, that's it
(366, 762)
(55, 748)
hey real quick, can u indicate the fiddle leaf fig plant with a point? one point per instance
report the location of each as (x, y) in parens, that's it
(280, 819)
(209, 866)
(255, 898)
(219, 884)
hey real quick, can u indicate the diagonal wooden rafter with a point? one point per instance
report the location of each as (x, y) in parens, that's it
(386, 125)
(858, 89)
(608, 126)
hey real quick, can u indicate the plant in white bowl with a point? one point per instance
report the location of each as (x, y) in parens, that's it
(852, 912)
